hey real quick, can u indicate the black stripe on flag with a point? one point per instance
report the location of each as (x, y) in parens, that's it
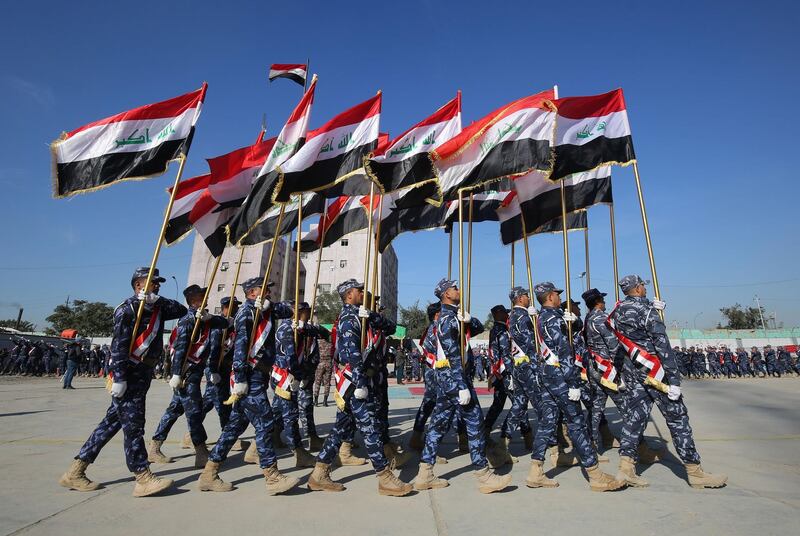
(601, 150)
(547, 206)
(265, 230)
(392, 176)
(258, 202)
(413, 219)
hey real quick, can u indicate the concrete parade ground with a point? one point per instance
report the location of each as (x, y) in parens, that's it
(747, 428)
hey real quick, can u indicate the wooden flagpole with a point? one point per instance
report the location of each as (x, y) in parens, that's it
(264, 285)
(566, 245)
(197, 320)
(366, 260)
(157, 251)
(586, 250)
(512, 264)
(375, 259)
(530, 281)
(230, 303)
(646, 225)
(614, 249)
(469, 256)
(324, 224)
(462, 331)
(297, 265)
(450, 254)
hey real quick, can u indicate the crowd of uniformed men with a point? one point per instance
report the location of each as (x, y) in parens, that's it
(546, 357)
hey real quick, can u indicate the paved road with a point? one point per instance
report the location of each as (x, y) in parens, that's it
(748, 429)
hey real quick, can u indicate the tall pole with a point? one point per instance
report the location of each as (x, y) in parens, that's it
(530, 282)
(272, 249)
(566, 256)
(462, 331)
(450, 254)
(761, 315)
(323, 222)
(197, 320)
(512, 264)
(614, 249)
(297, 264)
(366, 260)
(646, 225)
(469, 256)
(586, 250)
(375, 259)
(157, 251)
(231, 302)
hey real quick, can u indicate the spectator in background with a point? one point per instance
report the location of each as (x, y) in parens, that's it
(400, 366)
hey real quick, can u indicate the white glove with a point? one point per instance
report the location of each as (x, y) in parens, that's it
(659, 304)
(466, 317)
(674, 392)
(300, 324)
(622, 386)
(239, 389)
(574, 394)
(569, 316)
(363, 312)
(147, 297)
(215, 378)
(118, 389)
(202, 316)
(361, 393)
(175, 381)
(532, 311)
(464, 397)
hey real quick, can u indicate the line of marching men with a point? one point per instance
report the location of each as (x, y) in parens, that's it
(716, 362)
(624, 355)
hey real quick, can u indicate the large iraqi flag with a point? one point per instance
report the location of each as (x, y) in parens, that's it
(332, 153)
(510, 141)
(484, 208)
(405, 162)
(397, 219)
(267, 228)
(510, 218)
(344, 215)
(189, 191)
(592, 131)
(136, 144)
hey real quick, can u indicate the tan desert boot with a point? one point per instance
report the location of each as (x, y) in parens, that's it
(277, 482)
(627, 473)
(210, 481)
(320, 479)
(427, 480)
(536, 477)
(489, 481)
(75, 477)
(303, 458)
(346, 456)
(559, 458)
(148, 484)
(700, 479)
(186, 442)
(237, 446)
(600, 481)
(251, 455)
(154, 454)
(389, 484)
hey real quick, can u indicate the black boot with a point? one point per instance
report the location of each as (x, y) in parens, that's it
(316, 400)
(325, 401)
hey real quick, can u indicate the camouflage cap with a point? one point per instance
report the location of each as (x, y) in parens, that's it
(542, 289)
(193, 290)
(347, 285)
(443, 285)
(516, 292)
(630, 282)
(142, 272)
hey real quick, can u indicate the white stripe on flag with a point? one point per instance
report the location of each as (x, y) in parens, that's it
(422, 140)
(333, 143)
(586, 129)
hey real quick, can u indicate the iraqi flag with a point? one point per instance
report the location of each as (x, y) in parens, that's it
(510, 218)
(136, 144)
(232, 174)
(405, 162)
(266, 228)
(343, 216)
(358, 183)
(395, 219)
(484, 208)
(512, 140)
(260, 198)
(332, 153)
(591, 132)
(297, 72)
(209, 218)
(540, 198)
(189, 191)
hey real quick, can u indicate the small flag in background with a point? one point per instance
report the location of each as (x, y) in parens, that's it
(293, 71)
(136, 144)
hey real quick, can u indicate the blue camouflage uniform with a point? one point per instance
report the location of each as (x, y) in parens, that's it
(356, 412)
(220, 361)
(128, 412)
(452, 377)
(728, 366)
(773, 366)
(429, 397)
(378, 371)
(254, 406)
(499, 352)
(524, 369)
(554, 384)
(308, 370)
(638, 320)
(189, 398)
(758, 362)
(785, 360)
(743, 363)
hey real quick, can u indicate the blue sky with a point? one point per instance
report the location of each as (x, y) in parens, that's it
(711, 90)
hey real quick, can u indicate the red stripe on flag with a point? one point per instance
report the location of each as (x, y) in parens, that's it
(191, 185)
(287, 66)
(204, 204)
(229, 165)
(591, 106)
(304, 104)
(356, 114)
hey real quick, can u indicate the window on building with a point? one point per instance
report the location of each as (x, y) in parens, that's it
(345, 241)
(324, 288)
(220, 287)
(223, 267)
(342, 263)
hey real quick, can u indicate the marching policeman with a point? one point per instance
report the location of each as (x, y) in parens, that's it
(651, 376)
(500, 367)
(132, 370)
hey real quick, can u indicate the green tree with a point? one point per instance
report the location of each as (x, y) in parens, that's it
(23, 325)
(90, 319)
(738, 317)
(328, 307)
(415, 319)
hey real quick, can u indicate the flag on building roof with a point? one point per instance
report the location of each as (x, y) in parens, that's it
(332, 153)
(405, 162)
(189, 191)
(510, 219)
(136, 144)
(293, 71)
(260, 198)
(265, 230)
(512, 140)
(592, 131)
(540, 198)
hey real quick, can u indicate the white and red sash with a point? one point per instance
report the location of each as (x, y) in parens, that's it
(281, 377)
(196, 352)
(262, 332)
(430, 358)
(549, 357)
(608, 377)
(344, 379)
(441, 360)
(498, 367)
(579, 363)
(145, 338)
(644, 361)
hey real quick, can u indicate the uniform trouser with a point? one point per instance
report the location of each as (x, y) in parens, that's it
(552, 399)
(599, 400)
(356, 414)
(322, 377)
(214, 397)
(253, 408)
(70, 373)
(305, 404)
(415, 370)
(429, 402)
(640, 403)
(126, 413)
(758, 367)
(189, 399)
(773, 369)
(498, 402)
(525, 392)
(728, 369)
(288, 411)
(447, 408)
(382, 399)
(744, 369)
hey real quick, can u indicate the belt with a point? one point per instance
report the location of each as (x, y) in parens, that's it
(522, 359)
(441, 363)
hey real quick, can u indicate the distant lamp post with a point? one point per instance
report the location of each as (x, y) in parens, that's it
(695, 319)
(583, 276)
